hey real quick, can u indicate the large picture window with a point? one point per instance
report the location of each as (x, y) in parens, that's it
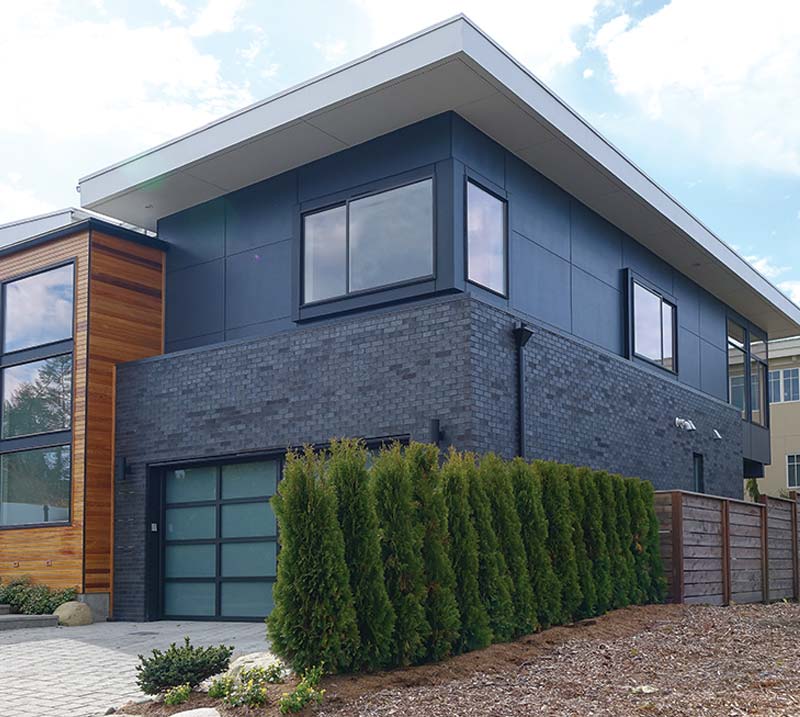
(35, 486)
(654, 330)
(486, 239)
(369, 242)
(36, 381)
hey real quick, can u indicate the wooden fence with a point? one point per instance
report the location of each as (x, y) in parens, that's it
(720, 550)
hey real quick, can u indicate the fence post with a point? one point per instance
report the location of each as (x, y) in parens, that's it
(764, 548)
(677, 547)
(795, 547)
(726, 551)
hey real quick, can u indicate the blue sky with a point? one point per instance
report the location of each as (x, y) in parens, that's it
(701, 94)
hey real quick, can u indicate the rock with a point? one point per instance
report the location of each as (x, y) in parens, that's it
(74, 614)
(254, 659)
(199, 712)
(644, 690)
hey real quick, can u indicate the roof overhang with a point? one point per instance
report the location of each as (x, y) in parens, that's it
(451, 66)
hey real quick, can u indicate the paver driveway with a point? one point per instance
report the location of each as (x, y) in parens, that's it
(82, 671)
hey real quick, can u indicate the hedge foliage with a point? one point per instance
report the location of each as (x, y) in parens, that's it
(28, 598)
(413, 558)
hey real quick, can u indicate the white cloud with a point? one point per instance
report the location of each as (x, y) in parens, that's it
(17, 201)
(178, 9)
(217, 16)
(538, 34)
(765, 266)
(725, 74)
(791, 289)
(588, 73)
(331, 50)
(147, 83)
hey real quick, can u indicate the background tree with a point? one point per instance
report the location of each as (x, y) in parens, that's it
(496, 479)
(358, 519)
(475, 631)
(555, 499)
(313, 619)
(401, 550)
(577, 500)
(441, 607)
(533, 521)
(494, 582)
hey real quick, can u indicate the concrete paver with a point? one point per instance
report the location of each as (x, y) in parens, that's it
(82, 671)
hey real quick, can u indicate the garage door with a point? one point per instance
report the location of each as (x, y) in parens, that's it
(219, 541)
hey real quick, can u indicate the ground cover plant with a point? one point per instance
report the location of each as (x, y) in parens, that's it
(27, 598)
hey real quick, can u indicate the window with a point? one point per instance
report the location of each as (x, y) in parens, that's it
(486, 239)
(653, 327)
(37, 397)
(699, 473)
(737, 395)
(791, 384)
(36, 365)
(35, 486)
(774, 386)
(369, 242)
(758, 392)
(793, 471)
(38, 309)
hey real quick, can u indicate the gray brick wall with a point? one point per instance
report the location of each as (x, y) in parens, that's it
(389, 374)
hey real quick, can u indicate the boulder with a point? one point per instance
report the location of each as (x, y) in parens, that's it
(74, 614)
(254, 659)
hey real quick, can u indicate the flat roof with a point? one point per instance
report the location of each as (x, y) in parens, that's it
(452, 66)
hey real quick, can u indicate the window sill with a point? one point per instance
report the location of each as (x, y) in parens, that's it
(36, 526)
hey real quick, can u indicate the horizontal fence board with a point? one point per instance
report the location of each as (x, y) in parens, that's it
(747, 597)
(702, 551)
(704, 600)
(702, 515)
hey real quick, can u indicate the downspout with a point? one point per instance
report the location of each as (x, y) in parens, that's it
(522, 334)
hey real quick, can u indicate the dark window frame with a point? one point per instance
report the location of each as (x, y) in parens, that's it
(344, 199)
(698, 473)
(470, 178)
(632, 280)
(61, 347)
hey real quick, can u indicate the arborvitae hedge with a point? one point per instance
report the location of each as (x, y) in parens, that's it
(475, 631)
(494, 582)
(362, 549)
(544, 582)
(577, 499)
(313, 620)
(658, 584)
(496, 478)
(560, 538)
(401, 549)
(628, 568)
(595, 535)
(451, 557)
(441, 607)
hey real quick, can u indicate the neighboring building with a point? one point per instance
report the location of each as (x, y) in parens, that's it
(783, 474)
(424, 244)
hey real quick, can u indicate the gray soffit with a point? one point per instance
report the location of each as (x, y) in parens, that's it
(450, 66)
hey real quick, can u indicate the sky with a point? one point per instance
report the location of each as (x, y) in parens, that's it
(701, 94)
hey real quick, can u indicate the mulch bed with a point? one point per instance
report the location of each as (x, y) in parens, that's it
(656, 660)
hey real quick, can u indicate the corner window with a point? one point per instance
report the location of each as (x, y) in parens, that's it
(486, 239)
(737, 395)
(654, 331)
(369, 242)
(793, 471)
(38, 309)
(750, 383)
(35, 487)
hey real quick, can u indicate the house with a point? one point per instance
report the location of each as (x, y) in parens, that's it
(782, 475)
(423, 244)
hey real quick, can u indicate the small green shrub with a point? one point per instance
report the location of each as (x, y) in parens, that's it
(314, 618)
(441, 607)
(401, 550)
(177, 695)
(29, 598)
(221, 687)
(249, 689)
(304, 694)
(358, 520)
(184, 665)
(274, 672)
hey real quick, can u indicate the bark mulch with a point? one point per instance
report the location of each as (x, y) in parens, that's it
(681, 661)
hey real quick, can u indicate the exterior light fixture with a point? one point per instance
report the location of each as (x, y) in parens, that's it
(685, 424)
(717, 435)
